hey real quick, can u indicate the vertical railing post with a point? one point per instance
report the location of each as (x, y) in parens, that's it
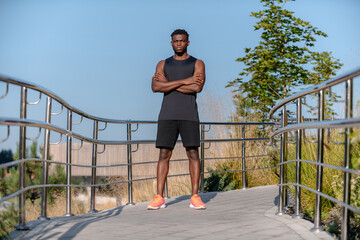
(93, 169)
(319, 173)
(298, 133)
(166, 191)
(202, 157)
(281, 198)
(347, 163)
(243, 157)
(22, 155)
(46, 156)
(68, 167)
(129, 161)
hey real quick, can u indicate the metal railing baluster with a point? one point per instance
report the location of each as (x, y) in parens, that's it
(347, 164)
(93, 169)
(243, 158)
(166, 190)
(22, 155)
(297, 214)
(281, 199)
(129, 166)
(202, 157)
(46, 156)
(68, 167)
(319, 171)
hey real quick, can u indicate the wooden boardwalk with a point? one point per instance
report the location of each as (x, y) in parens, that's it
(239, 214)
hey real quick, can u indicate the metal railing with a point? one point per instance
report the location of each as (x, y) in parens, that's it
(47, 127)
(348, 123)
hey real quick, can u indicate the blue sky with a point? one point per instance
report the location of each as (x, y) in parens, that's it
(100, 55)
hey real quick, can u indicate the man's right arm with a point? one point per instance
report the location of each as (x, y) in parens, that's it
(161, 84)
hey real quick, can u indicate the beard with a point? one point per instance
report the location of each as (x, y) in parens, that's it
(180, 53)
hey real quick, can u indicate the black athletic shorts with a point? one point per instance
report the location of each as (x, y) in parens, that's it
(168, 133)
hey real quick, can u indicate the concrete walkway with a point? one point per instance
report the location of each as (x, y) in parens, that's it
(239, 214)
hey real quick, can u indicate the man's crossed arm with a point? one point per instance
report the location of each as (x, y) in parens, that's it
(192, 84)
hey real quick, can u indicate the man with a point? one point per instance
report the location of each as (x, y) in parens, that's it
(180, 78)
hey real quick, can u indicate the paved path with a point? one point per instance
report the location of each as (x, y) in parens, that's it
(239, 214)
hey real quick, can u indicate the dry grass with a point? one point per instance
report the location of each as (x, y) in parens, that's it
(58, 208)
(215, 112)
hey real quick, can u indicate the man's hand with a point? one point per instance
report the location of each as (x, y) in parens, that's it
(197, 79)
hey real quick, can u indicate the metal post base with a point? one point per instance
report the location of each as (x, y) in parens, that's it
(319, 229)
(69, 215)
(244, 188)
(279, 213)
(93, 211)
(167, 197)
(130, 204)
(22, 227)
(43, 218)
(297, 216)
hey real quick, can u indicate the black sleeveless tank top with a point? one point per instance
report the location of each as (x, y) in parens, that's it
(177, 105)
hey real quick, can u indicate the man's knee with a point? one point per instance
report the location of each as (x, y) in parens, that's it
(193, 153)
(165, 154)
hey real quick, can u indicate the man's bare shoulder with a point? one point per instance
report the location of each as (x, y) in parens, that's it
(160, 66)
(199, 62)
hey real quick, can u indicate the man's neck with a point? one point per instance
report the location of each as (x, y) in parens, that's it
(181, 57)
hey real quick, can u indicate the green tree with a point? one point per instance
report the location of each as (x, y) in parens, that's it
(10, 183)
(282, 61)
(6, 156)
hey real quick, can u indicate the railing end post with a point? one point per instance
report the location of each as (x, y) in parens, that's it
(93, 211)
(317, 229)
(279, 213)
(22, 227)
(297, 216)
(69, 215)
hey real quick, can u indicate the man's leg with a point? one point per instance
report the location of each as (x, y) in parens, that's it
(163, 169)
(194, 168)
(167, 135)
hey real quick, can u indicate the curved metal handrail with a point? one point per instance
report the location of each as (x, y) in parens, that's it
(15, 162)
(355, 209)
(35, 123)
(316, 88)
(101, 119)
(346, 123)
(349, 170)
(49, 93)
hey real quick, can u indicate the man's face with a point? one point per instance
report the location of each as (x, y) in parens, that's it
(179, 43)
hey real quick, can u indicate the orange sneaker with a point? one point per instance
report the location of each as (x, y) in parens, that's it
(196, 202)
(157, 202)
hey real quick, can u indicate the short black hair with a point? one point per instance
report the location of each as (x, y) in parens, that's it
(180, 31)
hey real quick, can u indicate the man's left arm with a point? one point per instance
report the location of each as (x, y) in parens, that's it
(199, 73)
